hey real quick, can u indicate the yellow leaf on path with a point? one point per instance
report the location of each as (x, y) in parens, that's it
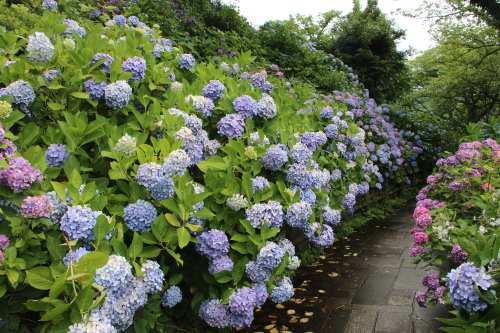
(274, 330)
(293, 321)
(304, 320)
(321, 291)
(355, 254)
(280, 306)
(268, 327)
(291, 312)
(333, 274)
(319, 271)
(309, 314)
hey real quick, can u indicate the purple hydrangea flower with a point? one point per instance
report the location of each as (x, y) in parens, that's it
(319, 235)
(298, 214)
(50, 75)
(459, 255)
(274, 158)
(4, 242)
(56, 154)
(259, 182)
(139, 215)
(231, 126)
(300, 153)
(78, 222)
(214, 90)
(186, 61)
(331, 216)
(22, 93)
(257, 273)
(283, 291)
(270, 213)
(136, 66)
(120, 20)
(270, 256)
(266, 107)
(20, 174)
(49, 4)
(214, 313)
(34, 207)
(222, 263)
(246, 106)
(75, 255)
(171, 297)
(94, 89)
(73, 26)
(212, 243)
(106, 65)
(431, 281)
(242, 301)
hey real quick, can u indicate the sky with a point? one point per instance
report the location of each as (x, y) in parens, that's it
(258, 12)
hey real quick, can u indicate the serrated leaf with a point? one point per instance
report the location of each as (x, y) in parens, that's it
(183, 237)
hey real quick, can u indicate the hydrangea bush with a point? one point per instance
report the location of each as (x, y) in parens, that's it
(456, 229)
(138, 182)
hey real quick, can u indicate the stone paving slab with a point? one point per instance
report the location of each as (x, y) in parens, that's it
(375, 290)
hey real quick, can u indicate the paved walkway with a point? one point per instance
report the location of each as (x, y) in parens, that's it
(362, 284)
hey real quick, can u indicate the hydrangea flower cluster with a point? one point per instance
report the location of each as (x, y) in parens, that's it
(93, 325)
(117, 94)
(136, 66)
(319, 235)
(266, 107)
(259, 183)
(106, 65)
(126, 144)
(331, 216)
(461, 283)
(154, 177)
(270, 213)
(57, 207)
(34, 207)
(214, 313)
(237, 202)
(171, 297)
(78, 222)
(274, 158)
(246, 106)
(283, 291)
(298, 214)
(5, 110)
(222, 263)
(55, 155)
(94, 89)
(214, 90)
(39, 48)
(49, 4)
(50, 75)
(212, 243)
(20, 174)
(153, 276)
(22, 93)
(139, 215)
(73, 26)
(231, 126)
(186, 61)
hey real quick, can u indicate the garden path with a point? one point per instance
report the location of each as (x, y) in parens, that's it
(364, 283)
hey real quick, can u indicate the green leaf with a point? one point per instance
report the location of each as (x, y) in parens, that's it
(148, 237)
(150, 252)
(240, 247)
(102, 227)
(172, 219)
(79, 94)
(176, 256)
(183, 237)
(248, 227)
(56, 106)
(55, 312)
(119, 247)
(135, 247)
(159, 228)
(85, 298)
(223, 276)
(55, 249)
(58, 286)
(239, 269)
(213, 163)
(39, 277)
(175, 279)
(239, 238)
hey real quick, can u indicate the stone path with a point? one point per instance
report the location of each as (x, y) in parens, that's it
(362, 284)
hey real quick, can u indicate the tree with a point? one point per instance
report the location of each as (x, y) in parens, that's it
(366, 41)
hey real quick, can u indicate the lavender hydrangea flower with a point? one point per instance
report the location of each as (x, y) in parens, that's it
(106, 65)
(149, 174)
(326, 112)
(153, 276)
(266, 107)
(270, 213)
(462, 283)
(116, 274)
(78, 222)
(136, 66)
(246, 106)
(4, 242)
(139, 215)
(231, 126)
(94, 89)
(270, 256)
(20, 174)
(93, 325)
(39, 48)
(73, 26)
(176, 163)
(214, 90)
(349, 201)
(325, 237)
(214, 313)
(458, 254)
(186, 61)
(257, 273)
(34, 207)
(117, 94)
(274, 158)
(222, 263)
(55, 155)
(75, 255)
(120, 19)
(49, 4)
(50, 75)
(212, 243)
(283, 291)
(336, 175)
(242, 301)
(171, 297)
(331, 216)
(300, 153)
(22, 93)
(258, 183)
(298, 214)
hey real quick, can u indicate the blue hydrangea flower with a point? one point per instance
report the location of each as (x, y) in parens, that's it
(149, 174)
(257, 273)
(187, 61)
(231, 126)
(136, 66)
(349, 201)
(331, 216)
(255, 138)
(266, 107)
(117, 94)
(153, 276)
(212, 243)
(462, 283)
(298, 214)
(306, 195)
(139, 215)
(260, 291)
(246, 106)
(214, 313)
(78, 222)
(270, 256)
(313, 139)
(283, 291)
(222, 263)
(95, 14)
(94, 89)
(55, 155)
(134, 20)
(214, 90)
(49, 4)
(270, 213)
(319, 235)
(106, 65)
(120, 19)
(73, 26)
(50, 75)
(57, 207)
(274, 158)
(39, 48)
(171, 297)
(93, 325)
(258, 183)
(331, 131)
(242, 301)
(300, 153)
(22, 93)
(116, 274)
(326, 112)
(75, 255)
(162, 189)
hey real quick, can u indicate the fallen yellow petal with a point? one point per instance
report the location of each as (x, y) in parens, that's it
(304, 320)
(309, 314)
(268, 327)
(280, 306)
(274, 330)
(321, 291)
(333, 274)
(293, 321)
(291, 312)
